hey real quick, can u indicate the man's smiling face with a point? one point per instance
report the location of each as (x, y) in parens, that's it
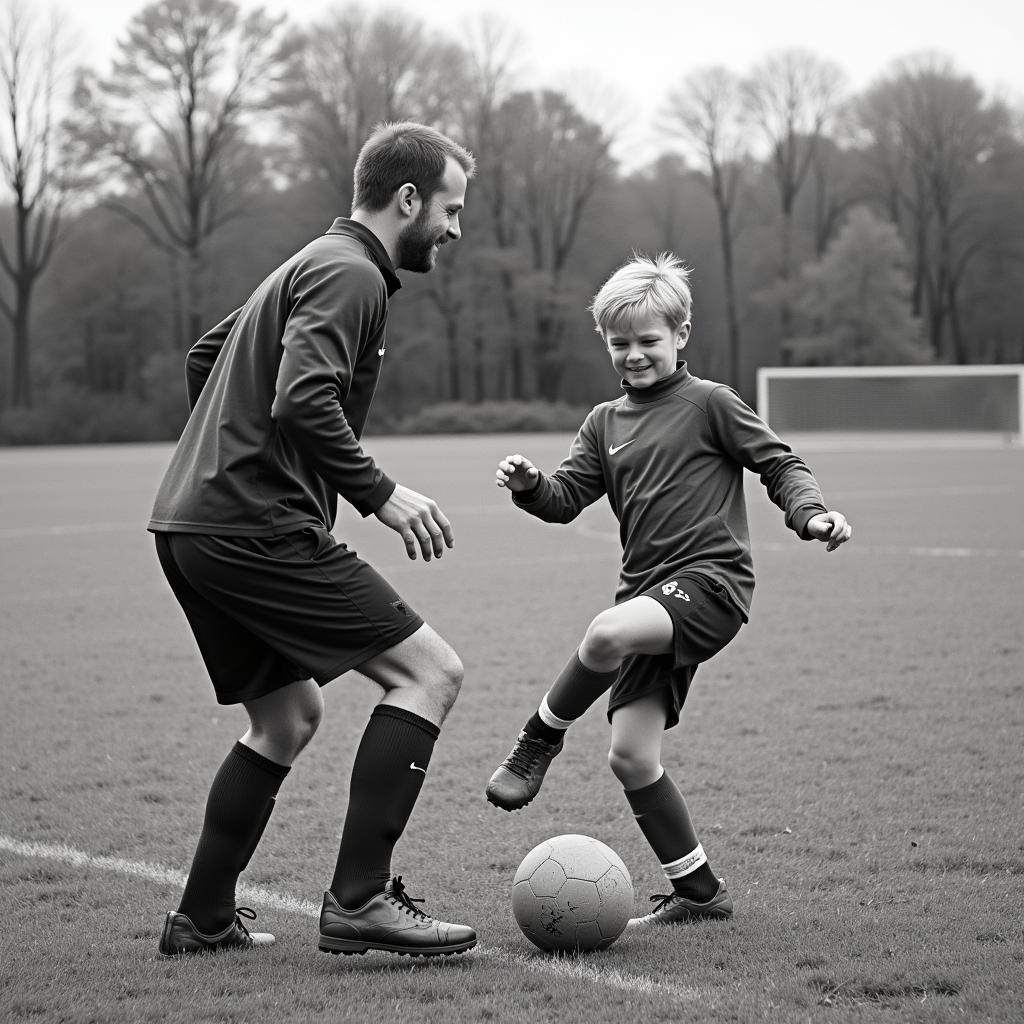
(436, 223)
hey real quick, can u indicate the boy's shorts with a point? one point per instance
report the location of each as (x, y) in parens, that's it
(704, 620)
(269, 611)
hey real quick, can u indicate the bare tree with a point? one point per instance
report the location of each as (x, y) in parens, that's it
(664, 199)
(706, 112)
(495, 52)
(931, 135)
(854, 299)
(359, 69)
(170, 121)
(791, 98)
(834, 191)
(598, 99)
(557, 159)
(31, 66)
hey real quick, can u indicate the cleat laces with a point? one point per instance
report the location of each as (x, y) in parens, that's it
(665, 898)
(246, 912)
(525, 755)
(399, 896)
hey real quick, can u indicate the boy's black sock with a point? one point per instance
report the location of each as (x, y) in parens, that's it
(539, 730)
(664, 819)
(572, 692)
(387, 775)
(237, 811)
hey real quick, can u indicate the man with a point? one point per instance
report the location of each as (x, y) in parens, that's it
(279, 393)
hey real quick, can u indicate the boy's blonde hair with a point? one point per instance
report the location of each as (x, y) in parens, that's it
(644, 287)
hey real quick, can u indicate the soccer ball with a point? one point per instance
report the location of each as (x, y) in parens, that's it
(572, 893)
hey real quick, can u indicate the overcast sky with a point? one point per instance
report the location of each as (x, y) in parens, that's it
(626, 55)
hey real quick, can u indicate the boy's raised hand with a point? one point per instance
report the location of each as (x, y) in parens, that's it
(831, 527)
(517, 473)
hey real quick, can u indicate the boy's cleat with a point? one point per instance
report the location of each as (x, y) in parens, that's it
(518, 778)
(676, 909)
(389, 921)
(181, 936)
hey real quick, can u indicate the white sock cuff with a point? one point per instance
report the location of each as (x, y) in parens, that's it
(550, 719)
(685, 865)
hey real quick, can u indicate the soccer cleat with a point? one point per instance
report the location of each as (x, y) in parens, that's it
(518, 778)
(389, 921)
(676, 909)
(181, 936)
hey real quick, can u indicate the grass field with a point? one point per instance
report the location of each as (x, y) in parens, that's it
(853, 761)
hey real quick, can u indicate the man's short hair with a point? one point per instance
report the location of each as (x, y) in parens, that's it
(644, 287)
(400, 152)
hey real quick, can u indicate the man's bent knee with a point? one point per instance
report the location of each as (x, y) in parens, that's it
(422, 672)
(442, 679)
(283, 722)
(307, 720)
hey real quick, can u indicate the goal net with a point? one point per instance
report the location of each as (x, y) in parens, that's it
(926, 403)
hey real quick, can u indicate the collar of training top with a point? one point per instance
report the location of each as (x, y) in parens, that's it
(660, 388)
(344, 226)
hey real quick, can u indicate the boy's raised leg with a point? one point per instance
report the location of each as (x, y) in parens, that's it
(519, 777)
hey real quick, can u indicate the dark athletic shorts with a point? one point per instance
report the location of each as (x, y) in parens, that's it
(268, 611)
(704, 621)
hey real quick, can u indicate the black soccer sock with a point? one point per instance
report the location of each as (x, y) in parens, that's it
(387, 775)
(237, 811)
(664, 819)
(572, 692)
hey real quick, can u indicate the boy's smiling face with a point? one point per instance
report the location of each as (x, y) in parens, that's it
(644, 350)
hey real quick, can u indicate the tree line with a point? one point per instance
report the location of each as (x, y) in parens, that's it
(823, 226)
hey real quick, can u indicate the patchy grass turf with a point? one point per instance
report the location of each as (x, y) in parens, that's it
(852, 760)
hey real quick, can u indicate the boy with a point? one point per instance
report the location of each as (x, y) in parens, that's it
(670, 456)
(279, 394)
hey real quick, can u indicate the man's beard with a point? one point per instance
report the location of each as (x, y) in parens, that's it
(416, 247)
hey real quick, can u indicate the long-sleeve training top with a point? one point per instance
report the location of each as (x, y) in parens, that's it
(670, 458)
(279, 393)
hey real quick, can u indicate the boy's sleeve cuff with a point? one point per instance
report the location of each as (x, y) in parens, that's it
(526, 498)
(803, 516)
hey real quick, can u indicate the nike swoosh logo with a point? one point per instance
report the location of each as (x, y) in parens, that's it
(416, 768)
(613, 448)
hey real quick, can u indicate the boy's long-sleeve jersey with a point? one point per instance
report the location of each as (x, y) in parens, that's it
(279, 393)
(671, 458)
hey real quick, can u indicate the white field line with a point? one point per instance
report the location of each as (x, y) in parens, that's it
(67, 530)
(575, 967)
(948, 491)
(920, 552)
(874, 549)
(139, 525)
(568, 967)
(582, 528)
(17, 533)
(142, 869)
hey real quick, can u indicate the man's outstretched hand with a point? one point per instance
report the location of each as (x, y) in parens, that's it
(418, 519)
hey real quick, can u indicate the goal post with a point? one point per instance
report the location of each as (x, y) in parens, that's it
(926, 403)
